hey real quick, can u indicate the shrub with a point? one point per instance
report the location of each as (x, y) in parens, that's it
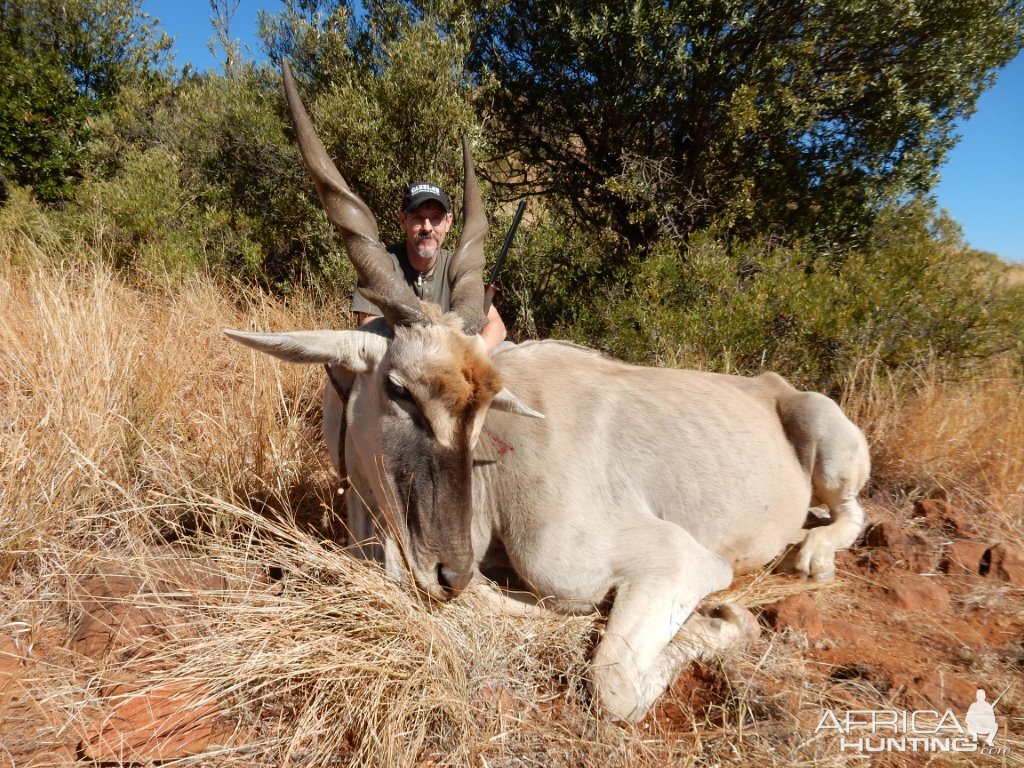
(913, 295)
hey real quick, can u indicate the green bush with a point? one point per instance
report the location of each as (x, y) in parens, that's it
(912, 296)
(63, 62)
(29, 234)
(398, 119)
(139, 218)
(240, 161)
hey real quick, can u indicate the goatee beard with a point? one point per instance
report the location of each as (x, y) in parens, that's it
(427, 248)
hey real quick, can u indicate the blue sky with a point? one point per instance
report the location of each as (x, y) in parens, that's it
(982, 183)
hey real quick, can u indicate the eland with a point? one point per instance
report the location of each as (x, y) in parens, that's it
(596, 482)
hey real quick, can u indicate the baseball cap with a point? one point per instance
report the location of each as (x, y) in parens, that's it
(419, 192)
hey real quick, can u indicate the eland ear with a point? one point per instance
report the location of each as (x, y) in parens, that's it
(506, 401)
(357, 351)
(503, 401)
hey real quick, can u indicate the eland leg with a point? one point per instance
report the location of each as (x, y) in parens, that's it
(816, 556)
(494, 601)
(642, 650)
(361, 527)
(836, 455)
(363, 539)
(836, 478)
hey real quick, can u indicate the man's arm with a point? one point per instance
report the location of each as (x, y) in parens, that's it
(494, 332)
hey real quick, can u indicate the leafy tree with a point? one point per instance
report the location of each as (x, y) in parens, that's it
(243, 161)
(316, 36)
(801, 116)
(388, 92)
(61, 63)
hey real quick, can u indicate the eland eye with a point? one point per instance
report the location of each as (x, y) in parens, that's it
(396, 390)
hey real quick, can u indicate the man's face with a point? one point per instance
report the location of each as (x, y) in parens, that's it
(425, 229)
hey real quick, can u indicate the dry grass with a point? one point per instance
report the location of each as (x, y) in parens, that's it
(1014, 275)
(961, 440)
(128, 421)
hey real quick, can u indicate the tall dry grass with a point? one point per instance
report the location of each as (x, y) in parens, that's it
(117, 397)
(128, 422)
(962, 440)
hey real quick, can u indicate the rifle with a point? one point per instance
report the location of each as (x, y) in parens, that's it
(491, 288)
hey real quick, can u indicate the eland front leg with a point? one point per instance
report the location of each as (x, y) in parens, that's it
(665, 574)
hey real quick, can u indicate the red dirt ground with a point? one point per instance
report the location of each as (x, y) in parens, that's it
(919, 618)
(924, 611)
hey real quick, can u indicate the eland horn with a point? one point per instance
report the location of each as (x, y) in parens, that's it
(379, 283)
(465, 274)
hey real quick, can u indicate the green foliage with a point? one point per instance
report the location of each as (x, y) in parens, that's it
(315, 36)
(61, 62)
(221, 179)
(241, 162)
(143, 219)
(387, 94)
(133, 219)
(546, 281)
(29, 236)
(911, 297)
(800, 116)
(720, 184)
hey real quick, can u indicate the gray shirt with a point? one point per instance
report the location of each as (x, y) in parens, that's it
(433, 288)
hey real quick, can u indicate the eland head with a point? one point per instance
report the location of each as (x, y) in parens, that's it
(423, 383)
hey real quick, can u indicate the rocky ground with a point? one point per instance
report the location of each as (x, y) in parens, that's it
(924, 611)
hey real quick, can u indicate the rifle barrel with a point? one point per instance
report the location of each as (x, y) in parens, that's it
(508, 242)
